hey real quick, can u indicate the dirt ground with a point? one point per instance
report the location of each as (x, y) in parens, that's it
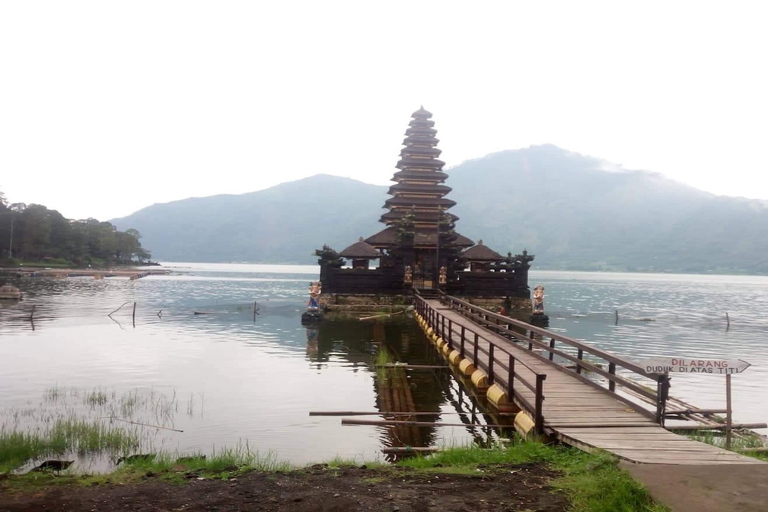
(318, 488)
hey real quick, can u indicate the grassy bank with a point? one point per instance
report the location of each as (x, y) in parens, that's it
(592, 483)
(98, 423)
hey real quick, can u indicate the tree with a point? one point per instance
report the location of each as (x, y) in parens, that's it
(36, 233)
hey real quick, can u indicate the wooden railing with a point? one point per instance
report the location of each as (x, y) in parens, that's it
(571, 351)
(499, 359)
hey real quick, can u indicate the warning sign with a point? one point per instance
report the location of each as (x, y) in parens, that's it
(693, 365)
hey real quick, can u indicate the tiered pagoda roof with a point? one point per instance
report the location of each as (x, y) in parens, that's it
(418, 188)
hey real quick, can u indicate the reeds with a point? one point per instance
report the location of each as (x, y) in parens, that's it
(66, 435)
(740, 444)
(71, 421)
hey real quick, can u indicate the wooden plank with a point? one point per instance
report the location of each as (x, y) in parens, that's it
(596, 414)
(641, 429)
(672, 448)
(646, 439)
(675, 456)
(593, 425)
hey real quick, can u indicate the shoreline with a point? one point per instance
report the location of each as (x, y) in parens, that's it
(524, 476)
(27, 272)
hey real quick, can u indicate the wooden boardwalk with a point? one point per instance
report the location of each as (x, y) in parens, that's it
(574, 411)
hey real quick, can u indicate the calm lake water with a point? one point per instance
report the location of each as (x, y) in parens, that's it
(228, 380)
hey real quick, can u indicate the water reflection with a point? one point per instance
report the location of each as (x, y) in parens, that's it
(261, 374)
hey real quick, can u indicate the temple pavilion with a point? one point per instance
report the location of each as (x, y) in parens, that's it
(420, 247)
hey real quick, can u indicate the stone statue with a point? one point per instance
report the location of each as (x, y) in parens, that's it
(443, 277)
(315, 289)
(538, 300)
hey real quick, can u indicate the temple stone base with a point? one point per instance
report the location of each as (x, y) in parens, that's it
(365, 302)
(382, 302)
(495, 303)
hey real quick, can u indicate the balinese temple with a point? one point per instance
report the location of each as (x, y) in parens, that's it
(419, 247)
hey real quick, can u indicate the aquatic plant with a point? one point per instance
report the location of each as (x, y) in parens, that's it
(87, 423)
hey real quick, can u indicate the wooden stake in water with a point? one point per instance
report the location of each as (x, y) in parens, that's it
(134, 314)
(727, 321)
(728, 424)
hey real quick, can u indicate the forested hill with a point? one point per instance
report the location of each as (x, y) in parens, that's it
(572, 211)
(34, 234)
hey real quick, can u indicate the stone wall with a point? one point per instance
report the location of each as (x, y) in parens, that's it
(365, 302)
(495, 303)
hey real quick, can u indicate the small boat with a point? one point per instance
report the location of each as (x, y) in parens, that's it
(9, 292)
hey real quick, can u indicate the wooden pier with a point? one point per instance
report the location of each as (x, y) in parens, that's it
(571, 391)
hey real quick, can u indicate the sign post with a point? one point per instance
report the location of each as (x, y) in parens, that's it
(725, 367)
(728, 412)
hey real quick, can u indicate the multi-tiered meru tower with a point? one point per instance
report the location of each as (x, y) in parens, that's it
(420, 248)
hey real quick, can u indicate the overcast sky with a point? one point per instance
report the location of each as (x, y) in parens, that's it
(107, 107)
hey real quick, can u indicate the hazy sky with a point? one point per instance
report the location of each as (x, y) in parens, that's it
(107, 107)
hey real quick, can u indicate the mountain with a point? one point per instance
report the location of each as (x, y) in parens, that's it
(282, 224)
(578, 212)
(571, 210)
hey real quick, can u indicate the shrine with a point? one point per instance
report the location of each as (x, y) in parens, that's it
(420, 248)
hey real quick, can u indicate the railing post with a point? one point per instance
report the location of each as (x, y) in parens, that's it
(450, 330)
(530, 343)
(551, 346)
(511, 379)
(539, 413)
(578, 366)
(463, 329)
(662, 391)
(442, 331)
(474, 354)
(490, 364)
(612, 371)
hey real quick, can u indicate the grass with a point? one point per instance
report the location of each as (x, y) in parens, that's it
(223, 464)
(226, 464)
(738, 444)
(593, 483)
(64, 435)
(80, 423)
(72, 421)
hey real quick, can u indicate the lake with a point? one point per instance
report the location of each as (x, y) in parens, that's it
(228, 378)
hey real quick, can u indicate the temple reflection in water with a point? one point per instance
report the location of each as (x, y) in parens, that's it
(369, 344)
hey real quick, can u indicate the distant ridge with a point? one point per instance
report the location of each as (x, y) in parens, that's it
(572, 211)
(282, 224)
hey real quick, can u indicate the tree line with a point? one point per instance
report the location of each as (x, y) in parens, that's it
(35, 233)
